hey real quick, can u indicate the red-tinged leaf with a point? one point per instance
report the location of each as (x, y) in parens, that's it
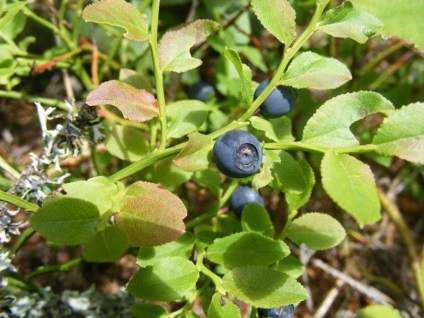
(135, 104)
(174, 47)
(118, 13)
(151, 215)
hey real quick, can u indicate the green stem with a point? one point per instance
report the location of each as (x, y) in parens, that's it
(10, 198)
(380, 57)
(25, 236)
(215, 209)
(145, 162)
(287, 56)
(8, 168)
(216, 280)
(33, 99)
(77, 22)
(47, 24)
(153, 41)
(298, 145)
(54, 268)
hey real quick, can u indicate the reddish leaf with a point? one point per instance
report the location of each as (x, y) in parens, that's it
(151, 215)
(135, 104)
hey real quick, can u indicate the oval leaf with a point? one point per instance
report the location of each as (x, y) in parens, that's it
(65, 220)
(402, 134)
(118, 13)
(141, 310)
(221, 307)
(317, 230)
(329, 126)
(401, 18)
(194, 156)
(246, 248)
(182, 247)
(174, 46)
(170, 279)
(135, 104)
(107, 246)
(255, 218)
(151, 215)
(278, 17)
(310, 70)
(350, 183)
(346, 21)
(261, 286)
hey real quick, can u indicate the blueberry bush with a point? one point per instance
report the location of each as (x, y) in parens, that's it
(235, 158)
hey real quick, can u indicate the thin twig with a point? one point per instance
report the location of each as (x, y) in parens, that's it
(406, 238)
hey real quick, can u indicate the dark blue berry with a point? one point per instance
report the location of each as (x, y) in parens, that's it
(244, 195)
(280, 312)
(200, 91)
(237, 154)
(279, 102)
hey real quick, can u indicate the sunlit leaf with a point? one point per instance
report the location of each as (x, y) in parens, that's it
(346, 21)
(174, 46)
(151, 215)
(310, 70)
(402, 134)
(135, 104)
(118, 13)
(350, 183)
(278, 17)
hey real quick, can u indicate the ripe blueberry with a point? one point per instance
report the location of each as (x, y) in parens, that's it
(237, 154)
(279, 102)
(200, 91)
(280, 312)
(244, 195)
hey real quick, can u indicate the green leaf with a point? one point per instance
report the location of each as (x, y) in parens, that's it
(151, 215)
(264, 125)
(295, 178)
(182, 247)
(291, 266)
(329, 126)
(295, 199)
(141, 310)
(264, 176)
(318, 231)
(126, 143)
(174, 46)
(107, 246)
(346, 21)
(185, 116)
(245, 74)
(221, 307)
(402, 134)
(401, 18)
(350, 183)
(261, 286)
(282, 128)
(135, 104)
(98, 190)
(194, 156)
(209, 179)
(168, 174)
(135, 79)
(255, 218)
(373, 311)
(65, 220)
(121, 14)
(169, 279)
(310, 70)
(246, 248)
(278, 17)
